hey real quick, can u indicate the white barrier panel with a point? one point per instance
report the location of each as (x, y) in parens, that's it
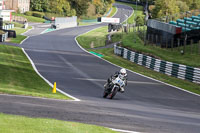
(110, 20)
(64, 22)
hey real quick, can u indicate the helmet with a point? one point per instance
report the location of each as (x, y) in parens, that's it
(122, 73)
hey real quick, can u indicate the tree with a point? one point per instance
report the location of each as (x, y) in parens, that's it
(139, 20)
(182, 6)
(36, 5)
(80, 6)
(70, 7)
(189, 2)
(73, 12)
(67, 8)
(99, 5)
(195, 4)
(165, 8)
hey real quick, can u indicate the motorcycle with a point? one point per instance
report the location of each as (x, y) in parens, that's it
(113, 88)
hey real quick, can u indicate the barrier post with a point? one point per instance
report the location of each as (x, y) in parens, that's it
(172, 44)
(199, 47)
(54, 88)
(152, 39)
(156, 39)
(178, 43)
(184, 50)
(191, 45)
(148, 39)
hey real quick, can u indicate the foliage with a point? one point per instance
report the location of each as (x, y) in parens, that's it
(139, 20)
(50, 15)
(60, 7)
(70, 7)
(40, 5)
(165, 8)
(80, 6)
(171, 7)
(38, 14)
(182, 6)
(29, 13)
(102, 6)
(195, 4)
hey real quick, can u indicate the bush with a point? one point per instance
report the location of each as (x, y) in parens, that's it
(38, 14)
(50, 15)
(28, 13)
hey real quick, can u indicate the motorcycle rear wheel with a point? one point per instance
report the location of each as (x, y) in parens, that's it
(105, 94)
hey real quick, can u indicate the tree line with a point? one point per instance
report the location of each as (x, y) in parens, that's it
(160, 8)
(170, 7)
(70, 7)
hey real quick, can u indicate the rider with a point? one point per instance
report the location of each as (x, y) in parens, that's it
(122, 74)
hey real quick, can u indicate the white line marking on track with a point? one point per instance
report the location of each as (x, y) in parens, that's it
(34, 67)
(27, 31)
(123, 131)
(24, 39)
(33, 97)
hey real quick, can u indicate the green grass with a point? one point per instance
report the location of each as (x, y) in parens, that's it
(18, 76)
(30, 18)
(21, 124)
(113, 11)
(110, 56)
(162, 53)
(15, 24)
(18, 25)
(21, 30)
(139, 11)
(95, 37)
(19, 37)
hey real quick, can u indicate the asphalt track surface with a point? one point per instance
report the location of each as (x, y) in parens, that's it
(146, 106)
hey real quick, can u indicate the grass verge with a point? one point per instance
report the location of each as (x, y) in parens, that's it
(30, 18)
(19, 37)
(18, 76)
(95, 38)
(162, 53)
(113, 11)
(111, 57)
(20, 124)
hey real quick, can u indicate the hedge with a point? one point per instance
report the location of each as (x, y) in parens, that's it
(38, 14)
(28, 13)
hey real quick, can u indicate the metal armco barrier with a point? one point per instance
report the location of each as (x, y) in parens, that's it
(172, 69)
